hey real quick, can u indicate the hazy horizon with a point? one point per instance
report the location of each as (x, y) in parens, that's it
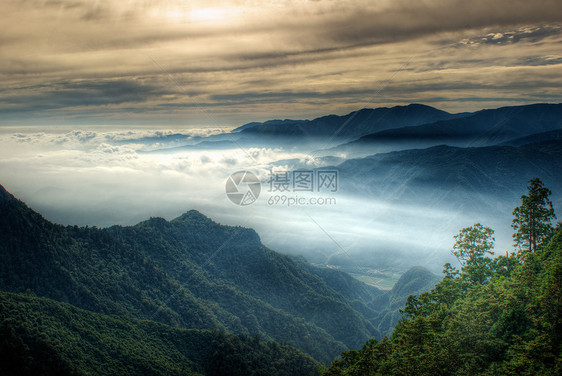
(102, 178)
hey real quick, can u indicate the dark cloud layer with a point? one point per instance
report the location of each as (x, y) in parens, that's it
(249, 60)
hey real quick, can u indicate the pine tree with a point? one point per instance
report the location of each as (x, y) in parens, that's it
(533, 219)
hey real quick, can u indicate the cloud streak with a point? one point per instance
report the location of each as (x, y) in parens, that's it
(89, 62)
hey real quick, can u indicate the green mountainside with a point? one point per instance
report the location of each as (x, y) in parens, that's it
(415, 281)
(247, 266)
(158, 297)
(188, 273)
(39, 336)
(500, 316)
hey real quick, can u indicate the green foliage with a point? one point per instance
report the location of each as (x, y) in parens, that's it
(532, 222)
(472, 245)
(415, 281)
(509, 325)
(492, 317)
(42, 336)
(189, 272)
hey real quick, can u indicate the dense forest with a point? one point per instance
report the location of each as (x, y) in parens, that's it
(493, 316)
(171, 272)
(156, 298)
(188, 273)
(40, 336)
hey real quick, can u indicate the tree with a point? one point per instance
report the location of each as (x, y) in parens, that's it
(532, 220)
(472, 244)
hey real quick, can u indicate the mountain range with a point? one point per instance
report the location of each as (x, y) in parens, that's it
(191, 293)
(370, 131)
(352, 125)
(189, 273)
(482, 128)
(472, 178)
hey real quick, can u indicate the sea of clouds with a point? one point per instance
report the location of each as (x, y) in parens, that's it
(110, 176)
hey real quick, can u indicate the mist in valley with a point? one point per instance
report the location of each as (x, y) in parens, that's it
(118, 176)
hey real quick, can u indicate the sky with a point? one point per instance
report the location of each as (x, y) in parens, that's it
(90, 87)
(225, 63)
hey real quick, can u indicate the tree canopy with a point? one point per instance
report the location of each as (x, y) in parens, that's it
(500, 316)
(532, 220)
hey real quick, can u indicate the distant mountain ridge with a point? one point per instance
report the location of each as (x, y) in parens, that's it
(352, 125)
(543, 137)
(367, 131)
(461, 178)
(482, 128)
(417, 122)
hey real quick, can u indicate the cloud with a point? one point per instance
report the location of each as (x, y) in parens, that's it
(80, 93)
(530, 34)
(154, 72)
(89, 177)
(230, 62)
(412, 20)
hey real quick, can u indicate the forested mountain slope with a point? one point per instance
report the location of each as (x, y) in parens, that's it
(189, 273)
(500, 316)
(39, 336)
(415, 281)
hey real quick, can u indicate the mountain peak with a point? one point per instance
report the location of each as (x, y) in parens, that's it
(194, 218)
(421, 106)
(192, 215)
(5, 195)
